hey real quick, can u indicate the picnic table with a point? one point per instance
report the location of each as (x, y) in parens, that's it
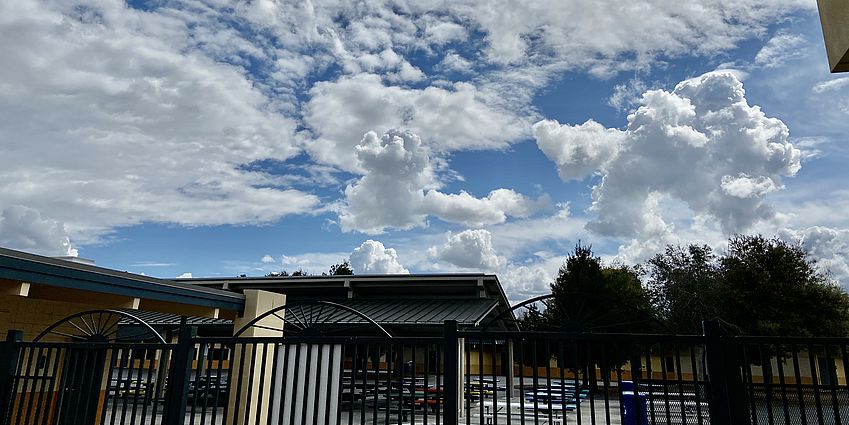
(501, 407)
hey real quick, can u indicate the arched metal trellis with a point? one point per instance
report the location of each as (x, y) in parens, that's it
(103, 326)
(584, 314)
(316, 318)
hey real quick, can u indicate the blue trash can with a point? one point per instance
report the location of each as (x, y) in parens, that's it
(626, 385)
(635, 407)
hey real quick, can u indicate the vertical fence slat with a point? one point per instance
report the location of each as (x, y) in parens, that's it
(726, 401)
(9, 353)
(178, 379)
(452, 361)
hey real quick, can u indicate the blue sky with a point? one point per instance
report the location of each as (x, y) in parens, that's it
(218, 139)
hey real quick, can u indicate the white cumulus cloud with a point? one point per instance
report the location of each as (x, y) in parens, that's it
(577, 150)
(700, 146)
(524, 282)
(371, 257)
(829, 246)
(453, 118)
(471, 249)
(399, 190)
(24, 229)
(744, 186)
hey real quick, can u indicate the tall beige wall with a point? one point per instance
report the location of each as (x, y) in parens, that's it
(256, 303)
(34, 315)
(834, 16)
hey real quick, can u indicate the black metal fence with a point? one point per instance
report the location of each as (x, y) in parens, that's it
(466, 376)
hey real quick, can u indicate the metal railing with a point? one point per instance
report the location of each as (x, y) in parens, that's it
(466, 376)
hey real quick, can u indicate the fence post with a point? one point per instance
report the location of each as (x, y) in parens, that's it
(451, 372)
(727, 395)
(9, 352)
(177, 395)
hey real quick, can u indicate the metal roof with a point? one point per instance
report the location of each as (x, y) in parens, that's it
(153, 318)
(467, 312)
(388, 299)
(24, 267)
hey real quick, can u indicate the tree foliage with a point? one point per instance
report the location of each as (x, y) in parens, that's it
(774, 289)
(341, 269)
(685, 288)
(589, 296)
(760, 286)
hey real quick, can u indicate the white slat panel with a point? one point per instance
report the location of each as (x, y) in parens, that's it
(307, 385)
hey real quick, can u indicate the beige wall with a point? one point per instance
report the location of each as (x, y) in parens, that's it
(256, 303)
(834, 16)
(34, 315)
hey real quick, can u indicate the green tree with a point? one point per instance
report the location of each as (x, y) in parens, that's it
(685, 287)
(760, 286)
(341, 269)
(772, 288)
(300, 272)
(591, 297)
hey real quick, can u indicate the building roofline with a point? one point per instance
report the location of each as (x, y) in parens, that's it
(41, 270)
(362, 280)
(357, 277)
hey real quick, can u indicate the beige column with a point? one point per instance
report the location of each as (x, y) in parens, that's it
(243, 379)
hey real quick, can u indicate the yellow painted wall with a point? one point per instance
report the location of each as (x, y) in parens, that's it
(33, 315)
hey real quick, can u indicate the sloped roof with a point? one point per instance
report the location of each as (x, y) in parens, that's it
(467, 312)
(153, 318)
(422, 311)
(40, 270)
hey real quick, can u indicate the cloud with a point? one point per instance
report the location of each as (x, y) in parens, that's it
(627, 95)
(442, 32)
(577, 150)
(126, 116)
(112, 120)
(829, 246)
(311, 262)
(832, 84)
(399, 190)
(371, 257)
(453, 118)
(643, 27)
(780, 49)
(453, 62)
(187, 275)
(745, 186)
(24, 229)
(701, 148)
(520, 236)
(521, 283)
(471, 249)
(267, 259)
(494, 208)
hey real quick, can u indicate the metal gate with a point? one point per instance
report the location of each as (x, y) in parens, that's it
(466, 376)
